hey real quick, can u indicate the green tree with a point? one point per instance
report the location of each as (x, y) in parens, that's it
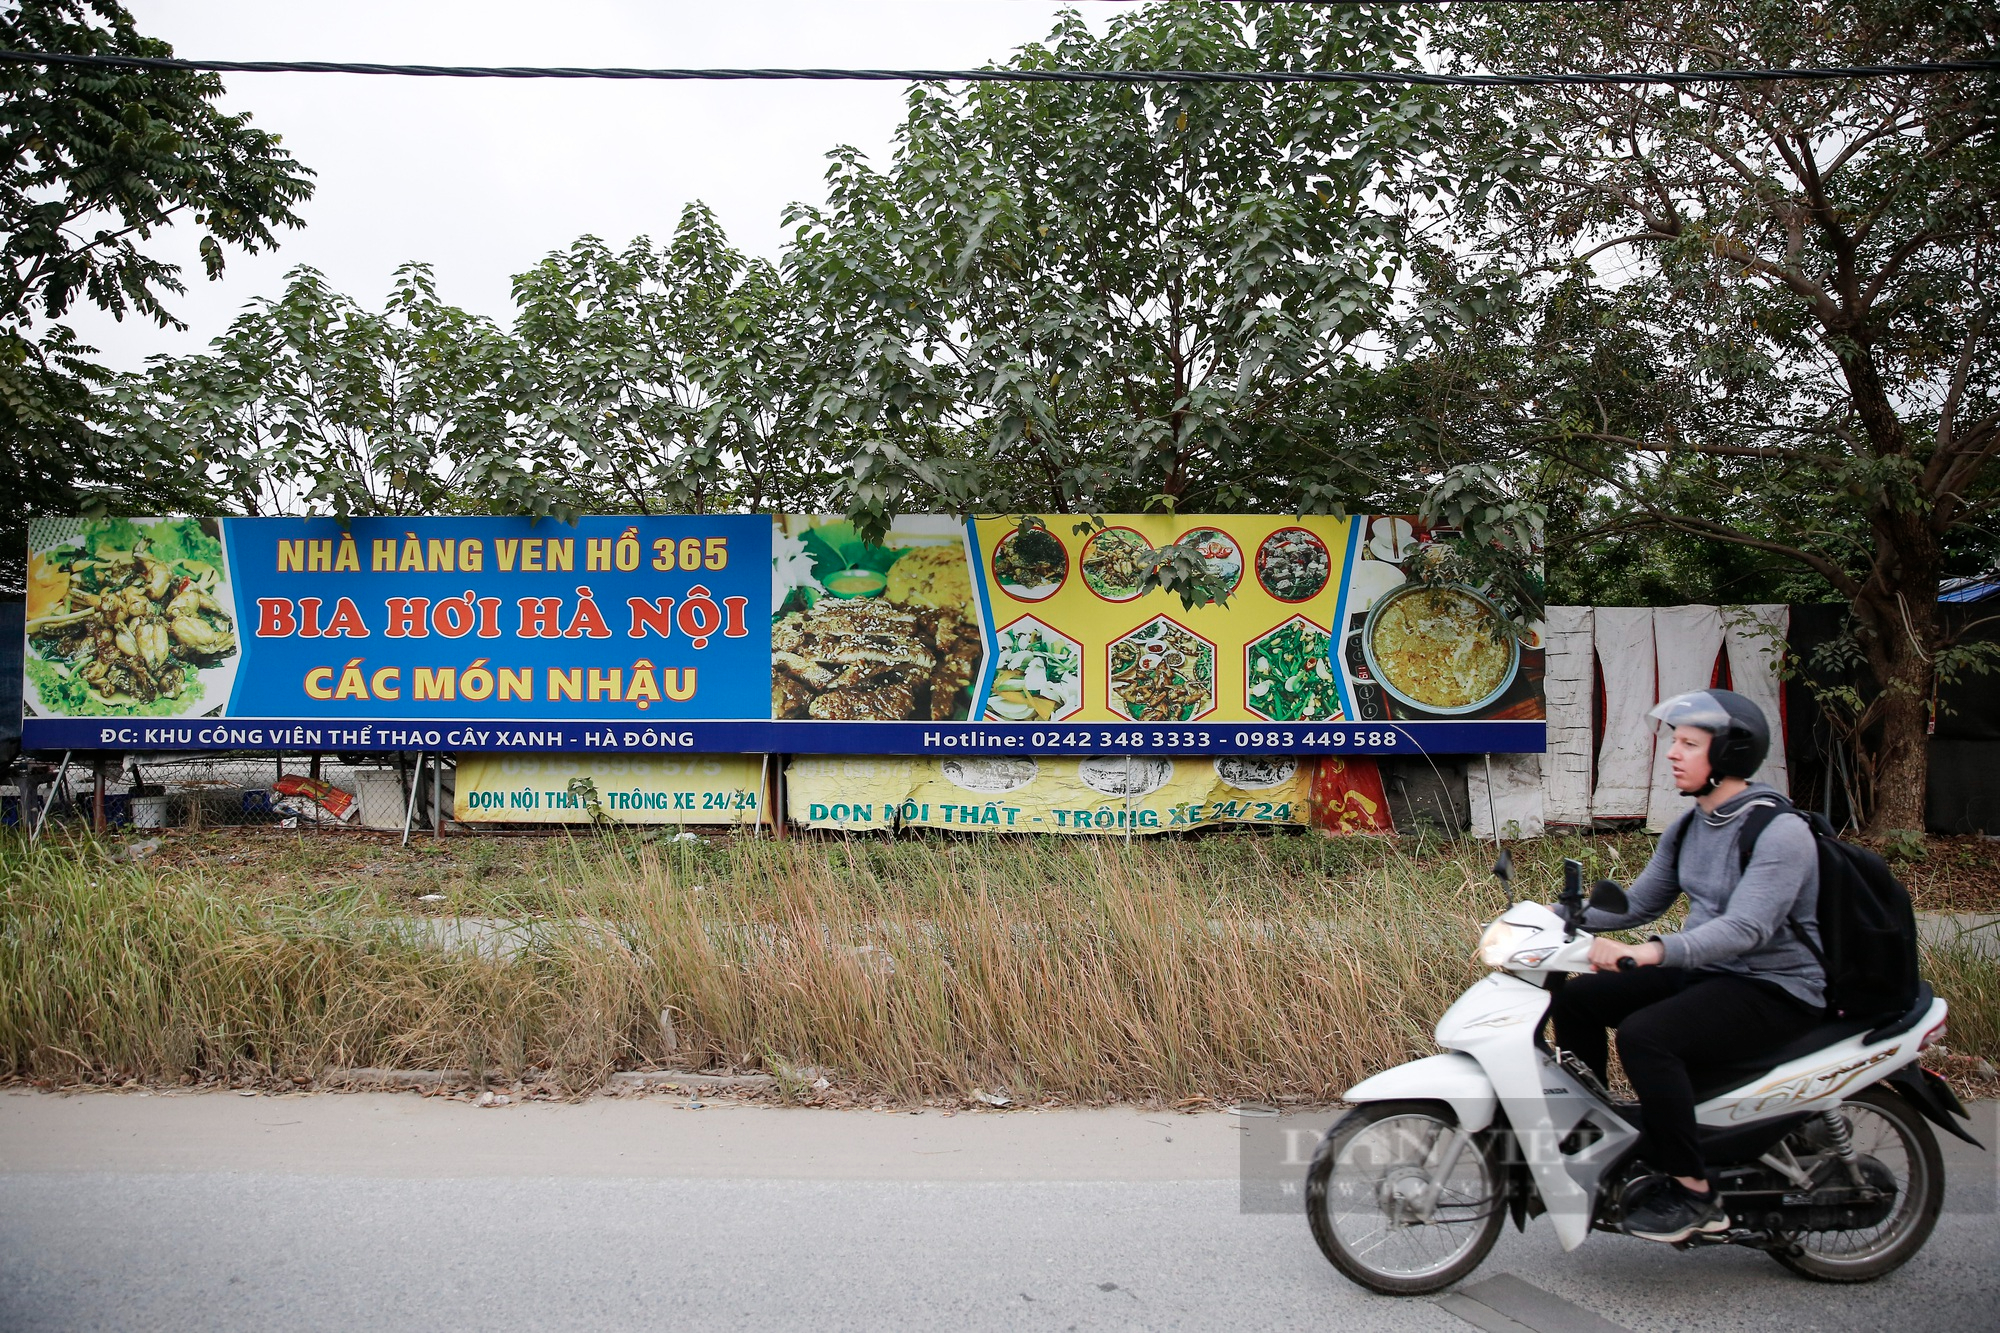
(641, 381)
(1755, 314)
(1080, 297)
(93, 164)
(666, 380)
(311, 403)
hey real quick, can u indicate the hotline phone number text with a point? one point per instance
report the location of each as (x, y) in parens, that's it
(1213, 739)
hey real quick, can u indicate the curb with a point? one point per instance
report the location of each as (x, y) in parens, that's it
(429, 1079)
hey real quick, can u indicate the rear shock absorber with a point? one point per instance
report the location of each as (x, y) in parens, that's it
(1840, 1138)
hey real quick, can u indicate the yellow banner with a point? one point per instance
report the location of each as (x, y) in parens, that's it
(1102, 794)
(1078, 641)
(619, 789)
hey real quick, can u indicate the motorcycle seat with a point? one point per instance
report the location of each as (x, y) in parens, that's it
(1713, 1080)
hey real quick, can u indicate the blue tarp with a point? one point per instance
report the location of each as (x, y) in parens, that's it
(12, 643)
(1975, 589)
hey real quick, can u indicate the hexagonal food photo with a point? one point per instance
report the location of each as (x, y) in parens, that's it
(1037, 675)
(1161, 672)
(1288, 676)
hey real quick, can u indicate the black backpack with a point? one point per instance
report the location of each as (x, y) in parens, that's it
(1866, 923)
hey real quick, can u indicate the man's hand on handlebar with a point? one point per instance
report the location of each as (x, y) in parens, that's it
(1611, 956)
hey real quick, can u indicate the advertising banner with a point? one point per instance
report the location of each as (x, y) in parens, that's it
(397, 634)
(612, 789)
(1018, 635)
(1347, 797)
(1050, 794)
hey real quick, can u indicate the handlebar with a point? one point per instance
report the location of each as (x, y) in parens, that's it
(1571, 900)
(1628, 964)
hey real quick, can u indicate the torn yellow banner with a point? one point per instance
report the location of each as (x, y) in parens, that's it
(1100, 794)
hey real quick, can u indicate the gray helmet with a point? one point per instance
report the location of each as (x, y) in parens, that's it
(1742, 736)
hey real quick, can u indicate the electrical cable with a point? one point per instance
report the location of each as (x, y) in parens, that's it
(1385, 77)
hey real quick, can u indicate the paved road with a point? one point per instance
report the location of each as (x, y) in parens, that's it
(387, 1211)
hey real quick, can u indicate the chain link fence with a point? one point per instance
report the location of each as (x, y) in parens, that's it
(224, 790)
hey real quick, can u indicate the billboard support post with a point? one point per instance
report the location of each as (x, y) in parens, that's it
(48, 799)
(1492, 820)
(416, 789)
(780, 819)
(763, 792)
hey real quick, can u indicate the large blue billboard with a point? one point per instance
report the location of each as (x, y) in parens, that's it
(644, 620)
(750, 633)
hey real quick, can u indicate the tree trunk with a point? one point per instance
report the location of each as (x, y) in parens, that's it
(1898, 613)
(1897, 606)
(1901, 741)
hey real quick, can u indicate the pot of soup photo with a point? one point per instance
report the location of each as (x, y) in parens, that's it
(1443, 650)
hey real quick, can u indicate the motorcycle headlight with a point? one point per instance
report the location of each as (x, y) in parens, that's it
(1534, 957)
(1498, 942)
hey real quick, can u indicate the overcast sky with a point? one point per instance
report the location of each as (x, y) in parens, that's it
(481, 178)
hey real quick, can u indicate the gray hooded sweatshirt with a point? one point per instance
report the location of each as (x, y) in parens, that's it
(1737, 923)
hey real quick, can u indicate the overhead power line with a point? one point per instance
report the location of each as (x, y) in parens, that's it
(1390, 77)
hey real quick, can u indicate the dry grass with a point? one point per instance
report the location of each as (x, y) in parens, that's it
(1225, 967)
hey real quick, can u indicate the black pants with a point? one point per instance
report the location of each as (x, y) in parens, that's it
(1667, 1019)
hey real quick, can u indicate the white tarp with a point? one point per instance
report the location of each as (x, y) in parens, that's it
(1624, 638)
(1570, 688)
(1756, 639)
(1686, 642)
(1513, 799)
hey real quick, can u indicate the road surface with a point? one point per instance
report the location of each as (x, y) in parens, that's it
(390, 1211)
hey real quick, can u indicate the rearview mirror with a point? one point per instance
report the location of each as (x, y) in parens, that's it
(1606, 896)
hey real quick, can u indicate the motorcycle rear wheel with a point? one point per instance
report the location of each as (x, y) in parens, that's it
(1893, 1132)
(1359, 1199)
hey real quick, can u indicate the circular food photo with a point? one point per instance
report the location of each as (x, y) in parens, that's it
(1255, 772)
(1292, 565)
(1219, 552)
(1111, 563)
(1031, 565)
(1124, 774)
(990, 777)
(1443, 650)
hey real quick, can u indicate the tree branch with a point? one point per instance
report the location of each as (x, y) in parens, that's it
(1701, 527)
(1955, 393)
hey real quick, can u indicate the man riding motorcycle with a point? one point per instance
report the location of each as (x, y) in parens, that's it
(1739, 980)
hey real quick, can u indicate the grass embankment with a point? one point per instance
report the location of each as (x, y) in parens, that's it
(1225, 967)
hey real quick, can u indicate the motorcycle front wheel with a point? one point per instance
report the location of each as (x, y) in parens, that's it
(1891, 1133)
(1387, 1209)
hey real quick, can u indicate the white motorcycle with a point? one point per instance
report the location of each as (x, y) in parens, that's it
(1821, 1150)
